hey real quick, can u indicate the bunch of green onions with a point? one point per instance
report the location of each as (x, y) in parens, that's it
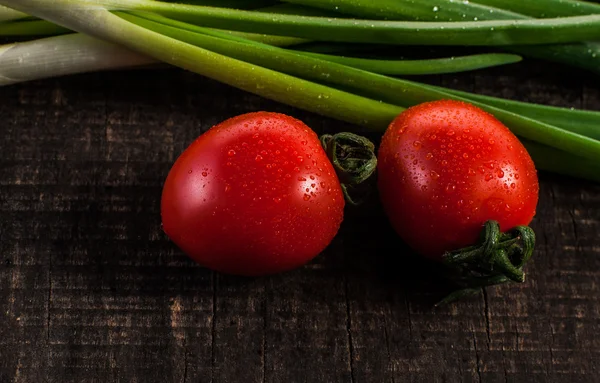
(324, 56)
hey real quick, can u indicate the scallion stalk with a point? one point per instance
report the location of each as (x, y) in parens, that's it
(8, 14)
(101, 23)
(470, 33)
(546, 8)
(31, 28)
(442, 10)
(584, 122)
(394, 91)
(556, 161)
(423, 67)
(79, 53)
(584, 55)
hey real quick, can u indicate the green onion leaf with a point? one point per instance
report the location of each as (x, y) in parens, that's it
(423, 67)
(546, 8)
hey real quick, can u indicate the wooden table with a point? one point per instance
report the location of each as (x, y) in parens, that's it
(91, 290)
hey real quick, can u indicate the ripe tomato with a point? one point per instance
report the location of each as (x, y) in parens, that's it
(447, 167)
(254, 195)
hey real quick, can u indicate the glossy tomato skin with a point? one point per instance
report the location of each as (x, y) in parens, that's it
(445, 168)
(254, 195)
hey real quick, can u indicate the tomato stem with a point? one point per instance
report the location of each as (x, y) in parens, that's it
(498, 258)
(354, 160)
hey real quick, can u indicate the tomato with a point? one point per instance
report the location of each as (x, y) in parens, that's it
(447, 167)
(254, 195)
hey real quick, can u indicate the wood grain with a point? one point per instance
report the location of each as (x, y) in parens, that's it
(92, 291)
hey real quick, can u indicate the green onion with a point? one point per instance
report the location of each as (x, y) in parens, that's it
(546, 8)
(482, 33)
(31, 28)
(8, 14)
(584, 122)
(584, 55)
(78, 53)
(423, 67)
(395, 91)
(556, 161)
(263, 82)
(447, 10)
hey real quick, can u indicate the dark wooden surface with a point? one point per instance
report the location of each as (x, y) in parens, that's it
(92, 291)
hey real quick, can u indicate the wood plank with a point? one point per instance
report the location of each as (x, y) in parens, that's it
(92, 291)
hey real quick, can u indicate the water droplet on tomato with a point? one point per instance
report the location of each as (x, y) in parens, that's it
(513, 185)
(489, 177)
(444, 162)
(306, 196)
(516, 176)
(450, 133)
(424, 187)
(465, 155)
(227, 188)
(450, 188)
(500, 173)
(429, 156)
(417, 145)
(434, 175)
(244, 144)
(260, 142)
(491, 141)
(231, 153)
(204, 174)
(276, 199)
(296, 169)
(471, 172)
(490, 165)
(258, 158)
(190, 171)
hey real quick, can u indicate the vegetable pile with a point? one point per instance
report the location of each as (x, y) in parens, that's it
(345, 59)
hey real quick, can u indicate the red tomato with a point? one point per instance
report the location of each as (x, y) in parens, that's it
(445, 168)
(254, 195)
